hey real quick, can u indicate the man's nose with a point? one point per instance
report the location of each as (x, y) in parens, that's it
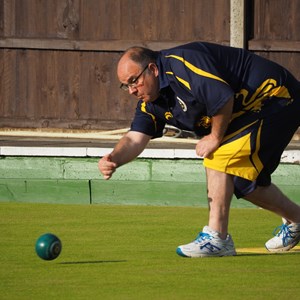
(132, 90)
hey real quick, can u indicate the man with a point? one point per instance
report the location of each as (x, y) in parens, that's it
(246, 109)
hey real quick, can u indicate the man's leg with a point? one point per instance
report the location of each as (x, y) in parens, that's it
(214, 239)
(271, 198)
(219, 192)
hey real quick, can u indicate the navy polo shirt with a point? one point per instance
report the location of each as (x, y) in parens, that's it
(197, 79)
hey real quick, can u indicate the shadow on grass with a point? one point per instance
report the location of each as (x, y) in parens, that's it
(92, 262)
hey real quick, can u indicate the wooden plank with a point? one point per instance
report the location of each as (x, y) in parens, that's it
(72, 88)
(65, 19)
(1, 18)
(43, 18)
(123, 20)
(100, 20)
(274, 45)
(103, 45)
(8, 17)
(8, 82)
(277, 20)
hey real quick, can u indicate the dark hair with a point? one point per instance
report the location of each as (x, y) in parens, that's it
(142, 56)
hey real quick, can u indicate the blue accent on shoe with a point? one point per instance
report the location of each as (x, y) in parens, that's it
(210, 247)
(203, 236)
(179, 252)
(283, 229)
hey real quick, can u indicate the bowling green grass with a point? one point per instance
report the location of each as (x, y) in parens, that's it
(128, 252)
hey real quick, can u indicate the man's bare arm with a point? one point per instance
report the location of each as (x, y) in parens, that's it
(210, 143)
(128, 148)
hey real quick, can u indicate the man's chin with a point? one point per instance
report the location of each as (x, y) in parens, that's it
(147, 99)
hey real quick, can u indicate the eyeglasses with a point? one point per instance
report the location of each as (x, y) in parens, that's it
(134, 82)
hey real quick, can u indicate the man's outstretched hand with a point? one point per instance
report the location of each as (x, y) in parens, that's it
(106, 166)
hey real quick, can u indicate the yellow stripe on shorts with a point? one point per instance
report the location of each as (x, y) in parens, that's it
(237, 157)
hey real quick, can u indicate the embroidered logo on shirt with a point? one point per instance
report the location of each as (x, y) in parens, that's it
(205, 122)
(168, 115)
(182, 104)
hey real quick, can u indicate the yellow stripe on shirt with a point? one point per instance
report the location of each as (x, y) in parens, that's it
(184, 82)
(195, 69)
(143, 109)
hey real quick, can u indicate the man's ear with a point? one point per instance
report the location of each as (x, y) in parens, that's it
(153, 68)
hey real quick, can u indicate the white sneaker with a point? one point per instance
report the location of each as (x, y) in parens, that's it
(208, 243)
(285, 237)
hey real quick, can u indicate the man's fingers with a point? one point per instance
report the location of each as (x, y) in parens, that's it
(106, 177)
(106, 166)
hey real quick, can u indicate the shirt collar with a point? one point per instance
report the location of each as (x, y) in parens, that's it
(163, 80)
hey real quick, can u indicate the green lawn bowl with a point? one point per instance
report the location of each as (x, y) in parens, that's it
(48, 246)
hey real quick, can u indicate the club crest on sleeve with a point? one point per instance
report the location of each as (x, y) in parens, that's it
(168, 115)
(205, 122)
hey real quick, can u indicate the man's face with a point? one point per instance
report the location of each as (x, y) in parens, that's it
(140, 81)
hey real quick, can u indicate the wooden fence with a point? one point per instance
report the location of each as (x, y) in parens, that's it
(58, 57)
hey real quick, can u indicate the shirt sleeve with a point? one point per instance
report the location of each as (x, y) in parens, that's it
(146, 122)
(202, 75)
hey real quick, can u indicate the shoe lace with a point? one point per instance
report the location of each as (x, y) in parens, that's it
(284, 231)
(203, 236)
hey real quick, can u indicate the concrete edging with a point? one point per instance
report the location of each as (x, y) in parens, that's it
(145, 181)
